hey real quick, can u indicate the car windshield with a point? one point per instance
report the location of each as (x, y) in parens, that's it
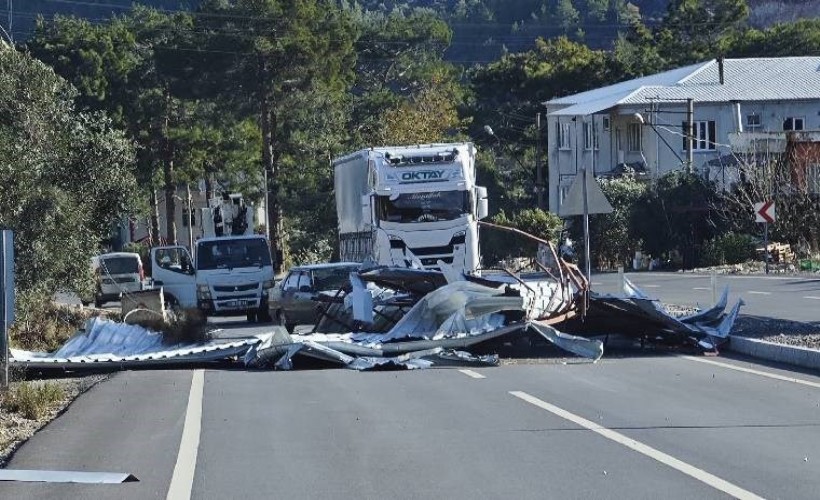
(120, 265)
(424, 207)
(331, 278)
(228, 254)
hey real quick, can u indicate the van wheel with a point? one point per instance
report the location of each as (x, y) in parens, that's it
(251, 317)
(98, 303)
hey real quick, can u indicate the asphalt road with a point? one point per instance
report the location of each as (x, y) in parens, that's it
(663, 427)
(631, 426)
(793, 298)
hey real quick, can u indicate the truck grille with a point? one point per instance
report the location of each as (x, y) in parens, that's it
(236, 288)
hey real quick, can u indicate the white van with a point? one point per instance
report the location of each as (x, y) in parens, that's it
(117, 273)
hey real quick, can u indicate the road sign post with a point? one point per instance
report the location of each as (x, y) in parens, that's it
(6, 301)
(765, 214)
(585, 197)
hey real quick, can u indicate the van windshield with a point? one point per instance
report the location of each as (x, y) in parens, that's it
(228, 254)
(120, 265)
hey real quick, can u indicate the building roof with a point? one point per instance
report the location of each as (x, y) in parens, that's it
(752, 79)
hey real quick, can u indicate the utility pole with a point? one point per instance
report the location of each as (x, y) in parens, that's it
(539, 171)
(189, 201)
(690, 134)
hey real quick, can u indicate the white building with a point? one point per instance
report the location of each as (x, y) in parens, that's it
(641, 123)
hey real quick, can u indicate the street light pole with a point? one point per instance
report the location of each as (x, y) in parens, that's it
(690, 135)
(539, 172)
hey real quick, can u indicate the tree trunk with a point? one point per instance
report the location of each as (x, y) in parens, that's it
(209, 187)
(154, 236)
(268, 125)
(168, 179)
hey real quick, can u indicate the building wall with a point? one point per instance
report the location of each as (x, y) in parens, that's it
(659, 157)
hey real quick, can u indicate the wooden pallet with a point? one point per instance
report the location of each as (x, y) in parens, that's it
(778, 252)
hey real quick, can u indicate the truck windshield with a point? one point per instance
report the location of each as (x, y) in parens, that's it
(424, 207)
(229, 253)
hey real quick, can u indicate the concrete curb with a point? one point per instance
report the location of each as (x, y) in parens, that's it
(793, 355)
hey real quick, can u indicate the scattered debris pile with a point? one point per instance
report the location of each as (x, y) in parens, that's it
(410, 318)
(637, 316)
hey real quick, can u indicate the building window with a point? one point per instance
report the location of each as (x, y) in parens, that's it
(590, 137)
(186, 219)
(704, 136)
(813, 178)
(563, 135)
(605, 122)
(634, 135)
(793, 123)
(753, 121)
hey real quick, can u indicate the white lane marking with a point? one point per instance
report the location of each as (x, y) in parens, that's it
(679, 465)
(811, 297)
(648, 286)
(182, 481)
(753, 371)
(472, 374)
(752, 292)
(595, 283)
(701, 288)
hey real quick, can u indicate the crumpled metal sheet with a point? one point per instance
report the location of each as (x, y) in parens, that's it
(638, 315)
(108, 342)
(64, 476)
(584, 347)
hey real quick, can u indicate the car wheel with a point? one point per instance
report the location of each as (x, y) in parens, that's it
(251, 317)
(98, 303)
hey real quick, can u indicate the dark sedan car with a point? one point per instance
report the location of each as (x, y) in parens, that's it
(293, 300)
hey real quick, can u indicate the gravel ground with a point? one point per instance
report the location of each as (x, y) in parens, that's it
(779, 331)
(15, 429)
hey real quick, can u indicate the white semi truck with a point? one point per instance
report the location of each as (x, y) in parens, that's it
(410, 206)
(231, 270)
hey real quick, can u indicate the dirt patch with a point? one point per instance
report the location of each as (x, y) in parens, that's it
(15, 428)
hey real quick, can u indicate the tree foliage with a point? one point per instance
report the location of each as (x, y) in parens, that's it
(65, 179)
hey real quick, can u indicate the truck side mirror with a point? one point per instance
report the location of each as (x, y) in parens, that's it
(482, 208)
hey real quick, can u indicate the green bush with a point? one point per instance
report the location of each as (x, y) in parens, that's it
(33, 400)
(729, 248)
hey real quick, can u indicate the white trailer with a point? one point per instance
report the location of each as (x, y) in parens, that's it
(231, 271)
(410, 206)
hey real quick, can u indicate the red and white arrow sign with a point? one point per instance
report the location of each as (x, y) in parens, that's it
(764, 212)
